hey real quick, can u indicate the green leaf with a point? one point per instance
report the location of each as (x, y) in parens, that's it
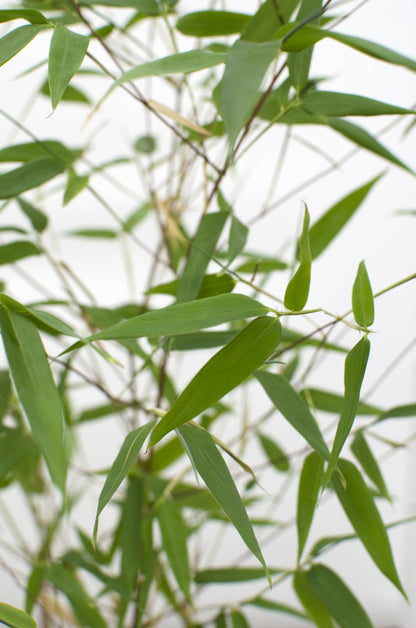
(34, 17)
(174, 541)
(355, 365)
(178, 63)
(43, 320)
(201, 340)
(149, 7)
(66, 53)
(238, 620)
(274, 453)
(338, 599)
(82, 605)
(365, 457)
(211, 467)
(231, 574)
(35, 389)
(5, 391)
(331, 402)
(145, 144)
(339, 105)
(182, 318)
(212, 285)
(29, 176)
(16, 40)
(211, 23)
(401, 412)
(222, 373)
(131, 527)
(101, 234)
(246, 66)
(277, 607)
(264, 24)
(299, 62)
(74, 186)
(15, 251)
(15, 617)
(362, 298)
(37, 218)
(14, 446)
(309, 485)
(297, 290)
(39, 150)
(310, 601)
(324, 230)
(294, 409)
(237, 238)
(358, 504)
(203, 247)
(71, 94)
(260, 264)
(125, 458)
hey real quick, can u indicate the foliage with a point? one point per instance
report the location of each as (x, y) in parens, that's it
(122, 535)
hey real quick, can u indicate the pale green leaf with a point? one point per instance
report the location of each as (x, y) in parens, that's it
(367, 460)
(43, 320)
(130, 535)
(309, 485)
(211, 23)
(35, 389)
(71, 94)
(120, 467)
(174, 542)
(256, 264)
(297, 290)
(149, 7)
(222, 373)
(311, 602)
(362, 298)
(101, 234)
(16, 40)
(15, 617)
(66, 53)
(276, 607)
(294, 409)
(15, 251)
(29, 176)
(355, 365)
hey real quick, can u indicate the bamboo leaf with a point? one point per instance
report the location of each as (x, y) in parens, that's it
(30, 15)
(362, 298)
(324, 230)
(311, 602)
(222, 373)
(401, 412)
(37, 218)
(120, 468)
(148, 7)
(29, 176)
(16, 40)
(130, 536)
(309, 485)
(299, 62)
(264, 24)
(355, 365)
(260, 264)
(237, 238)
(297, 290)
(66, 53)
(232, 574)
(238, 620)
(203, 247)
(15, 617)
(277, 607)
(211, 467)
(211, 286)
(74, 186)
(35, 389)
(174, 541)
(338, 599)
(274, 453)
(365, 457)
(294, 409)
(358, 504)
(38, 150)
(339, 105)
(14, 251)
(211, 23)
(331, 402)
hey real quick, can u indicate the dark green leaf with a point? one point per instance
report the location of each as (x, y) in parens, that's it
(16, 40)
(29, 176)
(238, 620)
(101, 234)
(74, 186)
(365, 457)
(131, 538)
(174, 542)
(362, 298)
(237, 238)
(309, 485)
(232, 574)
(355, 365)
(148, 7)
(212, 285)
(15, 251)
(297, 290)
(311, 602)
(274, 453)
(358, 504)
(71, 94)
(40, 150)
(5, 391)
(331, 402)
(222, 373)
(37, 218)
(211, 23)
(277, 607)
(34, 17)
(15, 617)
(66, 53)
(294, 409)
(36, 389)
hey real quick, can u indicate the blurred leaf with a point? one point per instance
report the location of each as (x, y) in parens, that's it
(71, 94)
(237, 238)
(37, 218)
(355, 365)
(264, 24)
(238, 620)
(232, 574)
(34, 586)
(35, 389)
(222, 373)
(5, 392)
(148, 7)
(294, 409)
(331, 402)
(277, 607)
(277, 457)
(174, 542)
(211, 467)
(309, 485)
(359, 506)
(260, 264)
(299, 62)
(312, 603)
(211, 23)
(29, 176)
(203, 247)
(34, 17)
(75, 184)
(212, 285)
(15, 617)
(121, 466)
(66, 53)
(401, 412)
(14, 446)
(362, 298)
(101, 234)
(366, 458)
(145, 144)
(40, 150)
(201, 340)
(326, 228)
(15, 251)
(339, 105)
(131, 527)
(297, 290)
(16, 40)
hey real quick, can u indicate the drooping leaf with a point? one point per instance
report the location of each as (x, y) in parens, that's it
(358, 504)
(355, 365)
(222, 373)
(16, 40)
(309, 485)
(15, 251)
(311, 602)
(203, 247)
(174, 542)
(211, 23)
(276, 456)
(211, 467)
(15, 617)
(405, 411)
(367, 460)
(297, 290)
(237, 238)
(120, 467)
(66, 53)
(326, 228)
(294, 409)
(35, 389)
(299, 62)
(37, 218)
(362, 298)
(29, 176)
(331, 402)
(232, 574)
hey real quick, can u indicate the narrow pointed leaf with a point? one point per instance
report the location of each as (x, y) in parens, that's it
(39, 150)
(211, 23)
(277, 607)
(121, 466)
(365, 457)
(358, 504)
(130, 536)
(338, 105)
(326, 228)
(15, 617)
(16, 40)
(37, 218)
(311, 602)
(66, 53)
(222, 373)
(237, 238)
(15, 251)
(203, 247)
(232, 574)
(34, 17)
(35, 389)
(211, 286)
(309, 485)
(334, 403)
(297, 290)
(294, 409)
(264, 24)
(238, 620)
(29, 176)
(405, 411)
(338, 599)
(74, 186)
(299, 62)
(213, 470)
(355, 365)
(174, 542)
(274, 453)
(362, 298)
